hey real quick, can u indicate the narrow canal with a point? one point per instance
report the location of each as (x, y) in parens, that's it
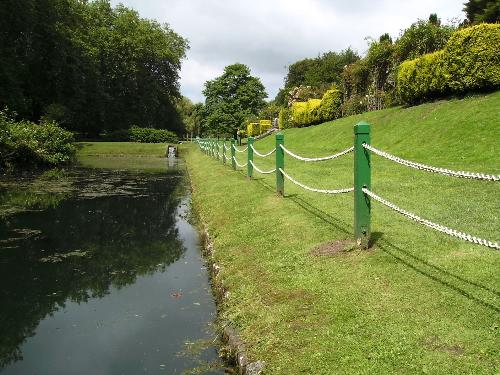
(101, 273)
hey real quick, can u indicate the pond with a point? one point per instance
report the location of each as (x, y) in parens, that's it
(101, 273)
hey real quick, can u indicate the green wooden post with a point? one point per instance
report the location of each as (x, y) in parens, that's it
(280, 163)
(217, 148)
(250, 157)
(362, 179)
(233, 154)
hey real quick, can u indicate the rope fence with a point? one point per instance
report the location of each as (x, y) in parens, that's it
(363, 194)
(263, 155)
(334, 156)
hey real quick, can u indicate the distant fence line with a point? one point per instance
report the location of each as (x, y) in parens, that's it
(362, 178)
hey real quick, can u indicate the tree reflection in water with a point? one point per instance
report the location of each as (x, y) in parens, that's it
(100, 229)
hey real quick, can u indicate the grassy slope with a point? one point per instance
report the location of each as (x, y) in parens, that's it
(418, 302)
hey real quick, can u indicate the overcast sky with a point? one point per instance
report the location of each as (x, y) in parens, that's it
(269, 35)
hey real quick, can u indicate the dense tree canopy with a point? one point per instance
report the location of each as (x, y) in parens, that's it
(231, 98)
(478, 11)
(322, 71)
(88, 66)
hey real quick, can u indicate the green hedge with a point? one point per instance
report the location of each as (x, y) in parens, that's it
(150, 135)
(314, 111)
(330, 107)
(26, 144)
(284, 119)
(470, 61)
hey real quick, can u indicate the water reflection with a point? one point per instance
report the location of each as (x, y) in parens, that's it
(67, 241)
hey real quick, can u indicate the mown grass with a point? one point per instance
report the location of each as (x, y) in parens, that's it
(418, 301)
(122, 155)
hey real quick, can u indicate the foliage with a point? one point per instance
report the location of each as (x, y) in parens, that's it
(253, 129)
(469, 61)
(88, 66)
(265, 125)
(479, 11)
(353, 105)
(322, 71)
(231, 98)
(191, 115)
(355, 78)
(422, 78)
(420, 38)
(151, 135)
(329, 108)
(270, 111)
(284, 119)
(26, 144)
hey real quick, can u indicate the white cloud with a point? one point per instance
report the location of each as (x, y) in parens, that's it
(268, 35)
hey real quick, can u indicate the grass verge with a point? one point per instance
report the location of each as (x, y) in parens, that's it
(417, 302)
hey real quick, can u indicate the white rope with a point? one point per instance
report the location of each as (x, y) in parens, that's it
(324, 191)
(430, 224)
(239, 165)
(227, 148)
(263, 155)
(350, 149)
(428, 168)
(240, 150)
(261, 171)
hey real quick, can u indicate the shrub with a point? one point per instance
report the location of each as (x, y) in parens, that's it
(329, 108)
(354, 105)
(472, 60)
(150, 135)
(469, 61)
(253, 129)
(423, 78)
(265, 125)
(26, 144)
(119, 135)
(284, 119)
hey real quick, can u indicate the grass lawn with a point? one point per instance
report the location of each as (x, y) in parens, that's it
(122, 155)
(418, 301)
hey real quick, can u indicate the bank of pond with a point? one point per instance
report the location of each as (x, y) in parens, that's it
(101, 272)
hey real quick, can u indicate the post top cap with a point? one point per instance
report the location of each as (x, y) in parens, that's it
(362, 127)
(280, 135)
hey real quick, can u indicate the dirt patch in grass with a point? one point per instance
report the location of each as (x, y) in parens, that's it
(433, 343)
(334, 248)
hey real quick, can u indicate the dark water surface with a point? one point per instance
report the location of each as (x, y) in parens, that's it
(101, 273)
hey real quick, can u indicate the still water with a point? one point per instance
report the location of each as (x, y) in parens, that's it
(101, 273)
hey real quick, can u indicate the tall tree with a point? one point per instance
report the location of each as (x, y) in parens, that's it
(478, 11)
(231, 98)
(88, 65)
(322, 71)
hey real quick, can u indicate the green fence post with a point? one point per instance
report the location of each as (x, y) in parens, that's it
(362, 179)
(280, 163)
(250, 157)
(233, 154)
(217, 149)
(213, 147)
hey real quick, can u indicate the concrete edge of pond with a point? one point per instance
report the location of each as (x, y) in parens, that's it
(229, 334)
